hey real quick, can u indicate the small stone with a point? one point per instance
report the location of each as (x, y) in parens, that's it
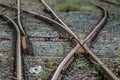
(35, 70)
(94, 72)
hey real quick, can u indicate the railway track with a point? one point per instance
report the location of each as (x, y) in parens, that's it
(94, 31)
(18, 45)
(46, 19)
(81, 68)
(89, 74)
(112, 58)
(92, 35)
(43, 44)
(49, 20)
(77, 43)
(27, 59)
(98, 27)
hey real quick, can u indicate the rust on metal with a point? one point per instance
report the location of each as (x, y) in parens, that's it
(64, 27)
(60, 37)
(5, 38)
(24, 46)
(18, 47)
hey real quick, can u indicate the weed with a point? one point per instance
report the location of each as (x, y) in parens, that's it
(73, 5)
(118, 51)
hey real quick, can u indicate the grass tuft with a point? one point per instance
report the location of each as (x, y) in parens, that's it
(118, 51)
(72, 5)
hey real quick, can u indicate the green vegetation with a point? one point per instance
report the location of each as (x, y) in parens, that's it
(79, 66)
(110, 6)
(43, 76)
(111, 37)
(118, 51)
(72, 5)
(48, 66)
(80, 51)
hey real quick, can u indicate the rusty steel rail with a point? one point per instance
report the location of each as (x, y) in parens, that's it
(108, 72)
(44, 18)
(19, 19)
(56, 24)
(97, 28)
(51, 21)
(60, 21)
(24, 44)
(65, 61)
(18, 46)
(110, 2)
(104, 69)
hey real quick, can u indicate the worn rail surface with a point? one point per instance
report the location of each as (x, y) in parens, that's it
(18, 46)
(108, 72)
(64, 28)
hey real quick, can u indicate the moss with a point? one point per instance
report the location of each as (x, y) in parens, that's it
(118, 51)
(81, 50)
(72, 5)
(43, 76)
(79, 66)
(87, 7)
(48, 66)
(68, 6)
(111, 38)
(82, 67)
(43, 79)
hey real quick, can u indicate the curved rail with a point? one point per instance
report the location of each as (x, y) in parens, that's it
(88, 38)
(58, 25)
(49, 21)
(91, 36)
(60, 21)
(95, 31)
(18, 47)
(106, 69)
(65, 60)
(109, 74)
(24, 44)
